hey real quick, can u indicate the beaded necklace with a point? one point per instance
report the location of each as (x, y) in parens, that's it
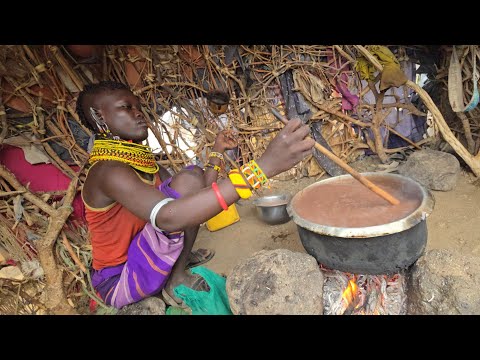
(137, 156)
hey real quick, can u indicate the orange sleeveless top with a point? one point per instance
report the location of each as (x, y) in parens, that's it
(111, 229)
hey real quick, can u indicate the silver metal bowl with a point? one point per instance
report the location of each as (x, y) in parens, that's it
(272, 209)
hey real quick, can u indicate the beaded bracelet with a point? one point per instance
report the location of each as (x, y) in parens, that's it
(239, 183)
(251, 177)
(214, 167)
(254, 174)
(216, 154)
(219, 196)
(258, 172)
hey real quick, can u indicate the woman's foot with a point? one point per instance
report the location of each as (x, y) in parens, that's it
(199, 257)
(192, 281)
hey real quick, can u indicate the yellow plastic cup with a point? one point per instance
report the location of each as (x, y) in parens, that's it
(224, 219)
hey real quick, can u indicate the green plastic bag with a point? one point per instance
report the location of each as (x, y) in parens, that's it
(213, 302)
(172, 310)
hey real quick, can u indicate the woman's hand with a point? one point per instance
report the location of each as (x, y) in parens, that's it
(287, 149)
(226, 140)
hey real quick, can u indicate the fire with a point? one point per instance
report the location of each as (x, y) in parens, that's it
(357, 294)
(350, 293)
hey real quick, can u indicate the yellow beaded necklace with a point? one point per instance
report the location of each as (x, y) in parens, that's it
(137, 156)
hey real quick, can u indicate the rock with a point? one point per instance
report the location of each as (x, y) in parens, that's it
(149, 306)
(444, 282)
(12, 273)
(366, 163)
(434, 169)
(276, 282)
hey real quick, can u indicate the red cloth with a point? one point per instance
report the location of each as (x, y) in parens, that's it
(111, 231)
(42, 177)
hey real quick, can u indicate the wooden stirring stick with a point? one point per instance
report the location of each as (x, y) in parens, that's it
(391, 199)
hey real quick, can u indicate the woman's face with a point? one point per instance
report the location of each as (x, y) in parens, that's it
(121, 110)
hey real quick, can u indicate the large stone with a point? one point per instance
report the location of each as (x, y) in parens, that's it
(444, 282)
(149, 306)
(434, 169)
(275, 282)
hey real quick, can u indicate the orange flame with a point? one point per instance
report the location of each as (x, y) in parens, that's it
(350, 292)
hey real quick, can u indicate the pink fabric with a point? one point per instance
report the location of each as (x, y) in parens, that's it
(349, 100)
(42, 177)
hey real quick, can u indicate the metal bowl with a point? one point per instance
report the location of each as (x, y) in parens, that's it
(272, 209)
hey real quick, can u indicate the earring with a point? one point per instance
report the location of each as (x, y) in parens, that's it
(102, 125)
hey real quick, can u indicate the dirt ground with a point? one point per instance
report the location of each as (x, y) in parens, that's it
(454, 224)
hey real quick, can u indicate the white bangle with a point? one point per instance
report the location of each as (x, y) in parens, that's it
(156, 209)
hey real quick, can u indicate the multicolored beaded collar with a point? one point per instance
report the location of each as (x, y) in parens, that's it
(138, 156)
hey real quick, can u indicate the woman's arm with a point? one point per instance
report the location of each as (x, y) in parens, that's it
(225, 141)
(121, 183)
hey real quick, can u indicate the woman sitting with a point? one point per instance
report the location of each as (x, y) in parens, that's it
(142, 226)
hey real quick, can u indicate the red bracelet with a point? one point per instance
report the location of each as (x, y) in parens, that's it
(219, 196)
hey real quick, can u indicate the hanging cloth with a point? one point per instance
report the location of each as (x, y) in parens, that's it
(455, 83)
(392, 73)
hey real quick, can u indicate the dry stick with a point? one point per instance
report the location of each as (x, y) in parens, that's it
(77, 119)
(56, 298)
(4, 184)
(62, 122)
(41, 118)
(344, 54)
(61, 165)
(409, 107)
(391, 199)
(29, 65)
(403, 137)
(9, 193)
(377, 120)
(3, 117)
(74, 256)
(19, 87)
(472, 161)
(468, 131)
(56, 131)
(12, 180)
(27, 217)
(167, 83)
(53, 155)
(64, 64)
(341, 115)
(3, 121)
(161, 142)
(199, 125)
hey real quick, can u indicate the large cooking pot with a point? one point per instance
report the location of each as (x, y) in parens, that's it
(380, 249)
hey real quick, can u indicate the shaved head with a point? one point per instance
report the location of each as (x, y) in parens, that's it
(86, 99)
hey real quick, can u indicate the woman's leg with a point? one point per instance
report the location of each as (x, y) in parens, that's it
(186, 182)
(156, 260)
